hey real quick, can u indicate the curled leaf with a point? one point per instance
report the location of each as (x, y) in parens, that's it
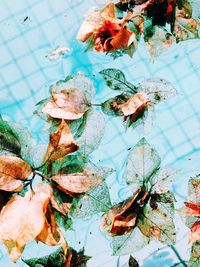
(12, 171)
(61, 143)
(23, 219)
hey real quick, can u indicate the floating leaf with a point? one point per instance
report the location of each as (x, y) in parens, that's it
(55, 259)
(76, 259)
(121, 218)
(77, 182)
(61, 143)
(186, 29)
(142, 162)
(158, 42)
(23, 218)
(94, 201)
(13, 171)
(132, 262)
(92, 133)
(158, 223)
(157, 89)
(129, 243)
(195, 255)
(161, 182)
(116, 80)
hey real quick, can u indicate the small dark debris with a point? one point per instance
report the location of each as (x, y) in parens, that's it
(25, 19)
(129, 148)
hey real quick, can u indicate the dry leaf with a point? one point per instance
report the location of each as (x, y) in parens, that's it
(12, 171)
(62, 208)
(121, 218)
(134, 104)
(23, 219)
(61, 143)
(50, 234)
(77, 182)
(68, 104)
(195, 232)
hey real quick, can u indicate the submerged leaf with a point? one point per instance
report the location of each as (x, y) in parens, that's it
(13, 171)
(94, 201)
(195, 255)
(142, 162)
(76, 259)
(132, 262)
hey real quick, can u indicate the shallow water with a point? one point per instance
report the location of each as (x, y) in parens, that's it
(29, 29)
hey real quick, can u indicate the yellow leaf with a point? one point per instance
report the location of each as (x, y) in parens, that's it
(23, 218)
(69, 105)
(77, 182)
(61, 143)
(12, 171)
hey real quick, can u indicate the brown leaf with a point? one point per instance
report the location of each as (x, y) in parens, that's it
(50, 234)
(122, 217)
(61, 143)
(12, 171)
(193, 209)
(63, 208)
(132, 262)
(23, 219)
(77, 182)
(68, 104)
(134, 104)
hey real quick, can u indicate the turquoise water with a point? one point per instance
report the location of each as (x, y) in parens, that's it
(29, 29)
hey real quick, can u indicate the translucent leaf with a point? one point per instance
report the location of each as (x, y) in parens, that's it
(142, 162)
(157, 89)
(194, 189)
(94, 201)
(77, 81)
(158, 223)
(55, 259)
(116, 80)
(158, 42)
(93, 132)
(162, 181)
(186, 29)
(195, 255)
(129, 243)
(102, 171)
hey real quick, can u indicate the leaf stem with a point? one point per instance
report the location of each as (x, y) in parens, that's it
(178, 255)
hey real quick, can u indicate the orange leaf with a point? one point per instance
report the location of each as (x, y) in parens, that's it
(135, 103)
(121, 39)
(23, 218)
(68, 104)
(193, 209)
(61, 143)
(121, 219)
(50, 234)
(77, 182)
(12, 169)
(195, 232)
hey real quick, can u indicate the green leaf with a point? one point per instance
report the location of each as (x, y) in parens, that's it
(93, 132)
(77, 259)
(55, 259)
(161, 182)
(158, 223)
(94, 201)
(195, 255)
(194, 189)
(62, 221)
(160, 40)
(132, 262)
(157, 89)
(142, 162)
(129, 243)
(116, 80)
(111, 106)
(8, 138)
